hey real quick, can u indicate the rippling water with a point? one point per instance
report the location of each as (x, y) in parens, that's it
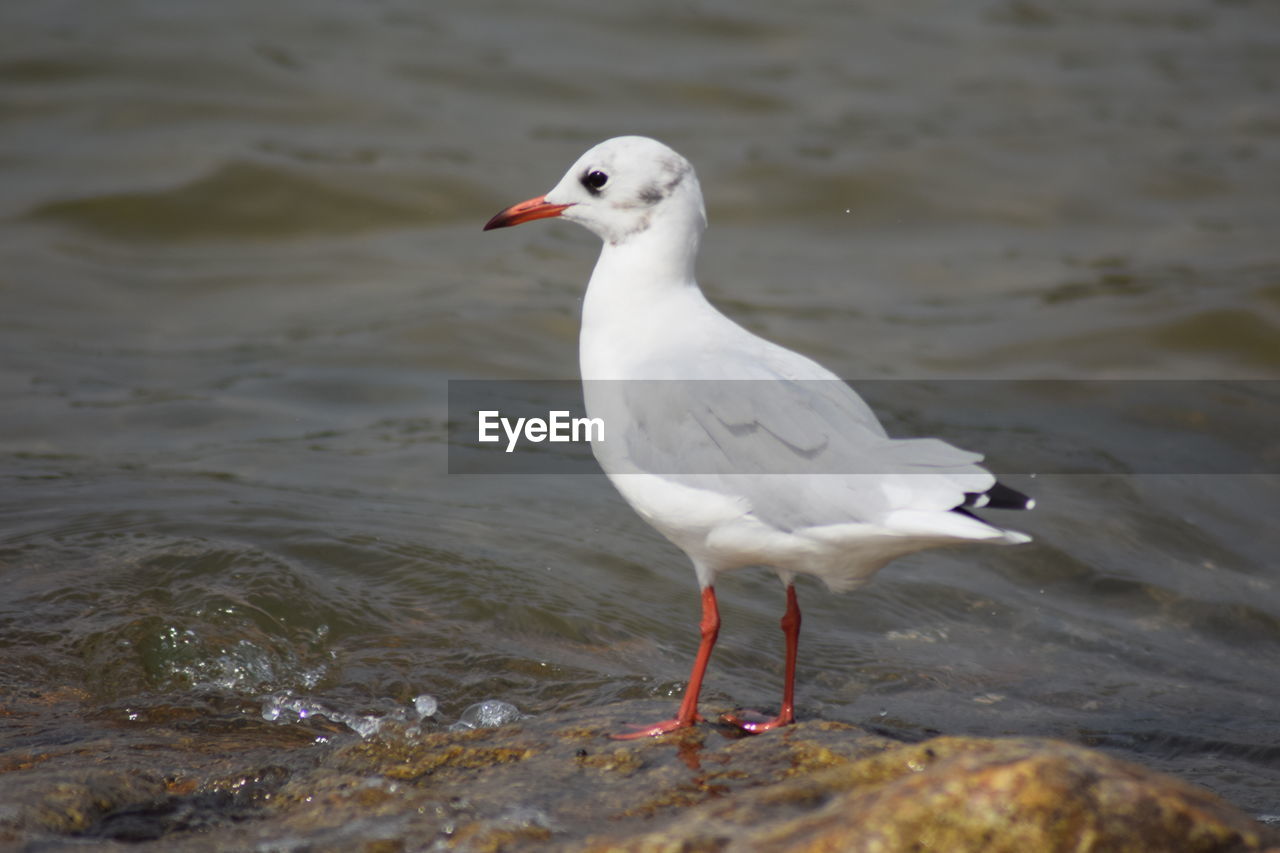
(243, 259)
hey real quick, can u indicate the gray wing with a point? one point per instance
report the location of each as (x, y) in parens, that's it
(799, 452)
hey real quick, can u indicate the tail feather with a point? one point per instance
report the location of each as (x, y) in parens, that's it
(998, 496)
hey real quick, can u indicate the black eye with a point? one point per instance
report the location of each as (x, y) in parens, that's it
(594, 180)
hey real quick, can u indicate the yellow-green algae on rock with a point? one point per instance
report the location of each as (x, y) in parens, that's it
(964, 794)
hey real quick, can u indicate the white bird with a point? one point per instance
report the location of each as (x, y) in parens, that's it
(790, 469)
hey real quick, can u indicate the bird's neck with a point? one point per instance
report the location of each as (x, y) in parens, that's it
(646, 266)
(639, 289)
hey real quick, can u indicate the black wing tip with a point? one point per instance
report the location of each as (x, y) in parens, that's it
(998, 496)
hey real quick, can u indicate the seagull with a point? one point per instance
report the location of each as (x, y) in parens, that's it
(740, 451)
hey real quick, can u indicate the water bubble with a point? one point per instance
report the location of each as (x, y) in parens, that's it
(488, 714)
(425, 705)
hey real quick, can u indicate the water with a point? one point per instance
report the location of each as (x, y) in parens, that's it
(243, 258)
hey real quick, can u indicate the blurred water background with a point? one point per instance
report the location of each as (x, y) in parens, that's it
(242, 259)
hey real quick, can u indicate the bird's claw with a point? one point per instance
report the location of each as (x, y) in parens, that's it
(755, 727)
(656, 729)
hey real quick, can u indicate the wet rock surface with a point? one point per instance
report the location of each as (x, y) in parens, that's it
(557, 782)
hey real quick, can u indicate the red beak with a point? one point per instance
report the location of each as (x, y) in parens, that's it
(525, 211)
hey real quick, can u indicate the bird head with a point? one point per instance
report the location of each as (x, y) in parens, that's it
(621, 188)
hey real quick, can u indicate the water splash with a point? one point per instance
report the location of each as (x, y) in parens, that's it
(285, 707)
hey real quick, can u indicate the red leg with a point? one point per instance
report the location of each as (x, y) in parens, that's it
(787, 714)
(688, 713)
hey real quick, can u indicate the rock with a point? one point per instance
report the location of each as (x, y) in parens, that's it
(557, 782)
(73, 803)
(958, 794)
